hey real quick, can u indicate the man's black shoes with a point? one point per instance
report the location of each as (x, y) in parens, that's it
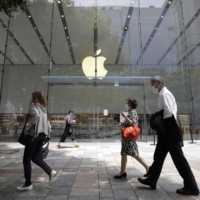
(185, 191)
(147, 182)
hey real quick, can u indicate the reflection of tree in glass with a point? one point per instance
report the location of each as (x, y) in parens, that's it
(80, 23)
(178, 83)
(12, 6)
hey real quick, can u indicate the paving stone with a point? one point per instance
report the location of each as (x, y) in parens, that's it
(56, 197)
(105, 185)
(84, 198)
(39, 190)
(148, 194)
(87, 173)
(106, 198)
(84, 192)
(9, 193)
(124, 194)
(25, 198)
(171, 188)
(106, 193)
(64, 183)
(182, 197)
(121, 186)
(86, 184)
(60, 191)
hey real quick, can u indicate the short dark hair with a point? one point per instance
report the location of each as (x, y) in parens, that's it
(71, 111)
(132, 102)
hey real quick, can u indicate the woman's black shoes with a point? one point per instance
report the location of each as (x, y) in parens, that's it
(148, 173)
(122, 176)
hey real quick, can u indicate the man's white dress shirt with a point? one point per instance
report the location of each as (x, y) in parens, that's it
(167, 102)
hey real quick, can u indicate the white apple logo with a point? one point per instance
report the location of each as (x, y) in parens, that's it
(88, 66)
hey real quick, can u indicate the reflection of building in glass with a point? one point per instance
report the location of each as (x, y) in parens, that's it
(27, 59)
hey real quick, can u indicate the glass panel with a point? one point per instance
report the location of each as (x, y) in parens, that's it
(29, 60)
(164, 46)
(136, 41)
(81, 39)
(191, 12)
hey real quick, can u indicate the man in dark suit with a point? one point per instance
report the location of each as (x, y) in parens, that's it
(169, 140)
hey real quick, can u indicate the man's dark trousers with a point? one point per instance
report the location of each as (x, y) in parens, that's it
(168, 143)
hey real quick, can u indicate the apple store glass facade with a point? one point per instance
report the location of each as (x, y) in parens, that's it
(90, 56)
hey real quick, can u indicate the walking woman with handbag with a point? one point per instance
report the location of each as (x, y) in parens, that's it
(68, 130)
(129, 147)
(39, 128)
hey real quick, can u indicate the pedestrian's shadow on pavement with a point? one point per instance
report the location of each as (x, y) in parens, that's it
(65, 147)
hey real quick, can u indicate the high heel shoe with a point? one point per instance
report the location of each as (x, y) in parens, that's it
(148, 173)
(122, 176)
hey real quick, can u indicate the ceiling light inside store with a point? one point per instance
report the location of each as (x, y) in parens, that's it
(35, 28)
(65, 27)
(62, 15)
(162, 16)
(29, 16)
(116, 83)
(156, 28)
(129, 16)
(58, 1)
(5, 28)
(132, 1)
(169, 2)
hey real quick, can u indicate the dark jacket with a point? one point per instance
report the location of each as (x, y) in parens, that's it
(171, 130)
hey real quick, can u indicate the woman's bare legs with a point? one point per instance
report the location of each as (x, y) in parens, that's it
(142, 162)
(123, 164)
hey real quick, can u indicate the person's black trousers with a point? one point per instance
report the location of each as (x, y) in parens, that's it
(67, 132)
(163, 147)
(33, 153)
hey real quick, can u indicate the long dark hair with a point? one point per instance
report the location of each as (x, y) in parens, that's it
(38, 97)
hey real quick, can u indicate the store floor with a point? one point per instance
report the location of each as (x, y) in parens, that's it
(86, 173)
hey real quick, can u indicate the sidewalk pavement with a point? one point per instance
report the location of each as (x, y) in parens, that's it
(86, 173)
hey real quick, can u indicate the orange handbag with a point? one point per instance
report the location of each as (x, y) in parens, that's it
(131, 132)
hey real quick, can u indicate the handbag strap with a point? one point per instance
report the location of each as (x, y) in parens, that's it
(25, 123)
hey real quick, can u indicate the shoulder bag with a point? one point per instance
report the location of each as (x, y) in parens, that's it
(44, 151)
(131, 132)
(26, 140)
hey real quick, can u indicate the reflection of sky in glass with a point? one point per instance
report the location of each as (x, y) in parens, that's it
(124, 3)
(143, 3)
